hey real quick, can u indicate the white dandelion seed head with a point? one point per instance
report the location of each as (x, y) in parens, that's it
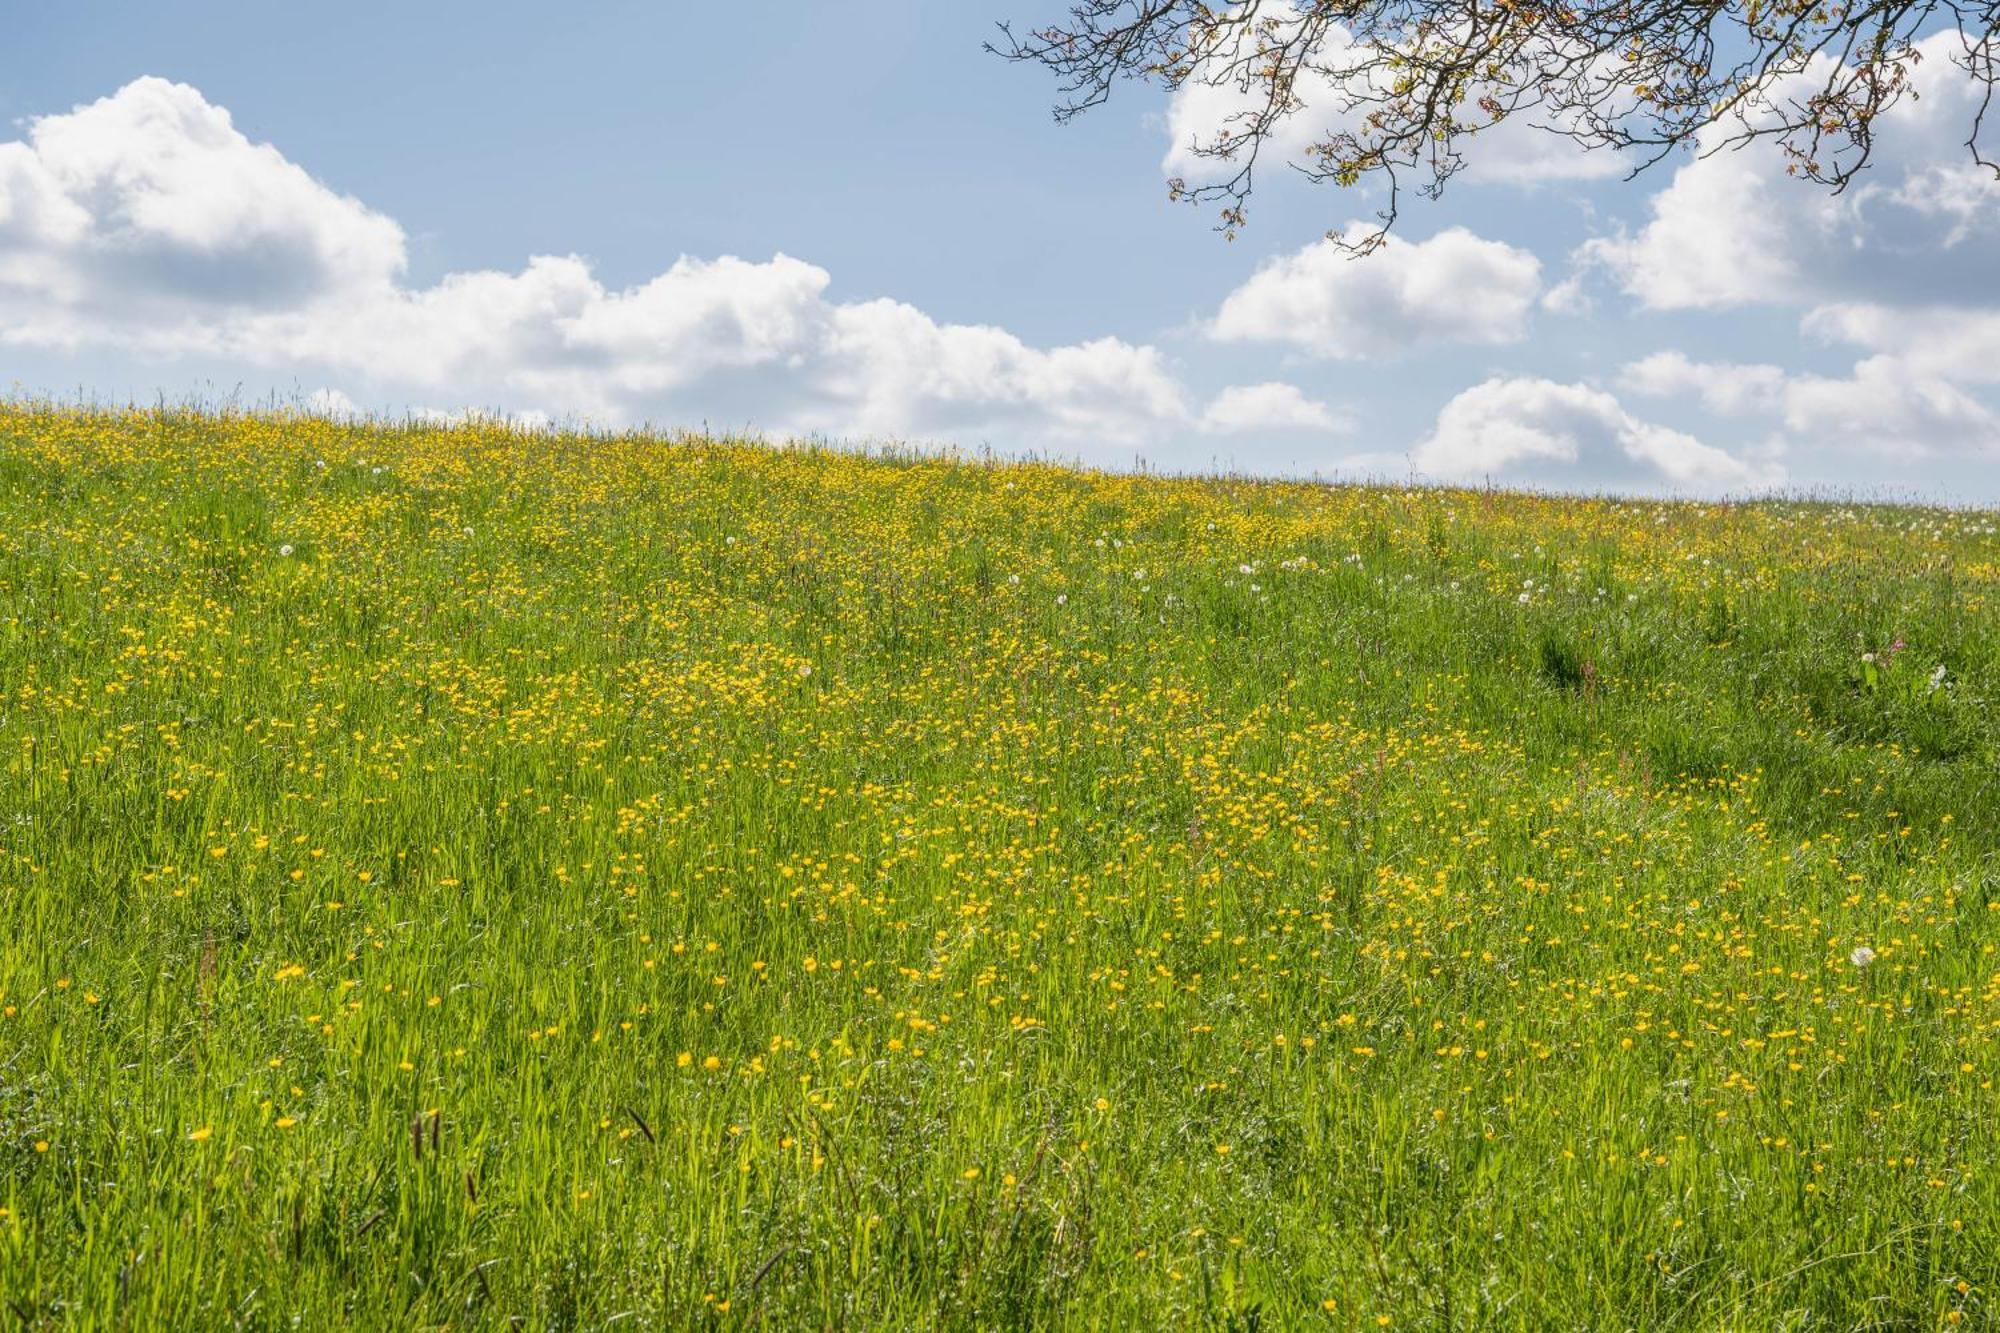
(1862, 956)
(286, 549)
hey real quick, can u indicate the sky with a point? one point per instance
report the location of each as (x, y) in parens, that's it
(850, 223)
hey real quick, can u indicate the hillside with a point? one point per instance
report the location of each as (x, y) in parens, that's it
(454, 875)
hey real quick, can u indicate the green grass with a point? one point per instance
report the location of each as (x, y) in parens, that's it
(464, 879)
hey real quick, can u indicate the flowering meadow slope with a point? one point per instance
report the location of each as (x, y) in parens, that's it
(452, 877)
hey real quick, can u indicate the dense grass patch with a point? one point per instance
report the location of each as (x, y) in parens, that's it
(452, 877)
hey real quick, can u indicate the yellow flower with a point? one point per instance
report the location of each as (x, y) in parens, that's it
(200, 1135)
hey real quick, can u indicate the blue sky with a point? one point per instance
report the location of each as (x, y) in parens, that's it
(351, 207)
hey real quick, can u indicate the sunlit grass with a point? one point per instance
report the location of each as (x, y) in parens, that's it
(458, 876)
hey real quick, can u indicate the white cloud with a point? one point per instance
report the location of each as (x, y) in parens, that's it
(1952, 342)
(1272, 406)
(1903, 265)
(1887, 407)
(147, 222)
(1720, 387)
(890, 368)
(1732, 228)
(146, 216)
(332, 403)
(1716, 238)
(1455, 287)
(1538, 432)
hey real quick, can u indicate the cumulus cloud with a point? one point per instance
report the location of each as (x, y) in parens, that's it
(1886, 407)
(147, 221)
(889, 365)
(1952, 342)
(1455, 287)
(1538, 432)
(1732, 228)
(1715, 238)
(1268, 407)
(146, 216)
(1720, 387)
(1903, 265)
(327, 402)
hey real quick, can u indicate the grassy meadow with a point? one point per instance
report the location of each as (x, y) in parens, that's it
(462, 878)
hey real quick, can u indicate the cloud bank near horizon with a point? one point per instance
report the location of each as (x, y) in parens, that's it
(146, 222)
(148, 226)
